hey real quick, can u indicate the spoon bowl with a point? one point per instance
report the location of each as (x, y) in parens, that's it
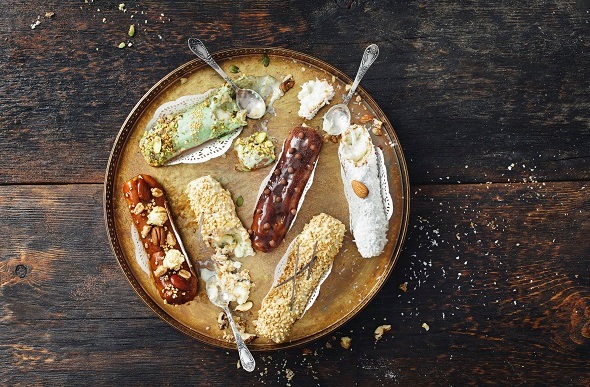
(219, 298)
(247, 99)
(337, 118)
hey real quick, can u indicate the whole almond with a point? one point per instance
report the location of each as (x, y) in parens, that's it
(360, 189)
(143, 190)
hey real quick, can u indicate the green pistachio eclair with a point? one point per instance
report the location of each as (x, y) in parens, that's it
(173, 134)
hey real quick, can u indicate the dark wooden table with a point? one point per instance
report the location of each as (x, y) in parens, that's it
(491, 102)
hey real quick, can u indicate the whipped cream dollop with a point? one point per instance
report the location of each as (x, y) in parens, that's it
(313, 95)
(356, 145)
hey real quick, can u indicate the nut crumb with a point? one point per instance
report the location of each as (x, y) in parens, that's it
(403, 287)
(376, 127)
(183, 81)
(289, 374)
(345, 342)
(358, 98)
(366, 118)
(426, 327)
(244, 307)
(381, 329)
(49, 15)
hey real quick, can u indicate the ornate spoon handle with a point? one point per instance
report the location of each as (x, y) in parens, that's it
(246, 358)
(369, 57)
(199, 49)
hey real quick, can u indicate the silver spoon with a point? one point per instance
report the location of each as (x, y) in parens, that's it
(337, 119)
(220, 299)
(247, 99)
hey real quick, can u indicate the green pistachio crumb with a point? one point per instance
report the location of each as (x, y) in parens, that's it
(131, 30)
(265, 60)
(121, 45)
(239, 201)
(234, 69)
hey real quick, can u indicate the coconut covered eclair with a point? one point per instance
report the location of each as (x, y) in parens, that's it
(362, 188)
(312, 253)
(215, 212)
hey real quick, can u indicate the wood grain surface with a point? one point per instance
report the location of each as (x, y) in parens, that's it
(491, 104)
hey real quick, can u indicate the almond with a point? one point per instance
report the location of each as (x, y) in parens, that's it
(360, 189)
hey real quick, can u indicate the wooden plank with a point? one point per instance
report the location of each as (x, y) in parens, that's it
(498, 272)
(471, 89)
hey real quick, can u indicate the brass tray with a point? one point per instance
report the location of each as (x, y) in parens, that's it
(354, 281)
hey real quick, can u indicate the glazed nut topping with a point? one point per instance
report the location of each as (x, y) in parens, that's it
(184, 274)
(146, 230)
(158, 236)
(170, 239)
(157, 192)
(139, 207)
(160, 271)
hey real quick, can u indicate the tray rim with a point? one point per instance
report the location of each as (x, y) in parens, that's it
(123, 136)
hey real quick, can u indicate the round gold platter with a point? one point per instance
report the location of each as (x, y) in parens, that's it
(353, 282)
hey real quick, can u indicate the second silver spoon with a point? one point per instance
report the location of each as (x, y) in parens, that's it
(337, 119)
(247, 99)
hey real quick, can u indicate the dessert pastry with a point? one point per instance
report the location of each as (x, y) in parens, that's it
(280, 198)
(254, 152)
(173, 134)
(215, 212)
(362, 188)
(313, 95)
(173, 274)
(307, 260)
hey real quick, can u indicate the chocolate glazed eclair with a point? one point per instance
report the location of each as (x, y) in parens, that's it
(174, 277)
(277, 205)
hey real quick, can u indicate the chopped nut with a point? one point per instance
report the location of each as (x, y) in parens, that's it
(366, 118)
(183, 81)
(358, 98)
(425, 326)
(121, 45)
(403, 287)
(222, 321)
(146, 230)
(381, 330)
(244, 307)
(160, 271)
(139, 207)
(376, 127)
(157, 192)
(49, 15)
(170, 239)
(157, 236)
(347, 87)
(247, 337)
(234, 69)
(345, 342)
(131, 30)
(184, 274)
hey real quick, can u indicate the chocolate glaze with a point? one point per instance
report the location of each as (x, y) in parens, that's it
(277, 205)
(138, 190)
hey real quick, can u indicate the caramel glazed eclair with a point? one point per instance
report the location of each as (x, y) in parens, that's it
(173, 275)
(281, 308)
